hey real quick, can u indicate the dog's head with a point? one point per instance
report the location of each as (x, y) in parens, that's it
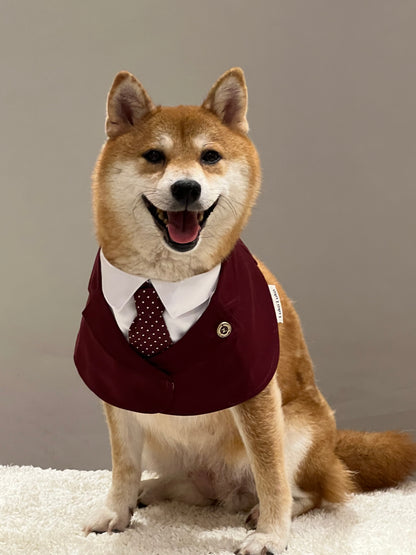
(174, 186)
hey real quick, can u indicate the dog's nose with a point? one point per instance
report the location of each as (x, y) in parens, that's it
(186, 191)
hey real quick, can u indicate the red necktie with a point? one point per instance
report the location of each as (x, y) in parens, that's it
(148, 333)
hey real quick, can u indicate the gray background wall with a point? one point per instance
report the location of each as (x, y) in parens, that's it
(332, 89)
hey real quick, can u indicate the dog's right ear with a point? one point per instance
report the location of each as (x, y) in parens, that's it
(127, 103)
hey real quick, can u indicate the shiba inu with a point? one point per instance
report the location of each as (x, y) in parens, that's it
(229, 413)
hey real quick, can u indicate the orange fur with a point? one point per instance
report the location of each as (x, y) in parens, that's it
(378, 459)
(284, 442)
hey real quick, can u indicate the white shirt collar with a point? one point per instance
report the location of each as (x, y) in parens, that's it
(178, 297)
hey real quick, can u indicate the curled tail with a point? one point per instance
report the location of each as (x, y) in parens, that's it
(377, 459)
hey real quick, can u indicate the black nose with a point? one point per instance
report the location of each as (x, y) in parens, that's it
(186, 191)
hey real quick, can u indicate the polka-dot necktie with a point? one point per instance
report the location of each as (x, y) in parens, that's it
(148, 333)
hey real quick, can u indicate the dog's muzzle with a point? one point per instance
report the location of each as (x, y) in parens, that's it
(181, 228)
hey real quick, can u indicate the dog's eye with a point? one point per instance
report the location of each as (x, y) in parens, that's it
(154, 156)
(210, 157)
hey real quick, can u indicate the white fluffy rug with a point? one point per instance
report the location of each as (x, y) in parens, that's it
(41, 511)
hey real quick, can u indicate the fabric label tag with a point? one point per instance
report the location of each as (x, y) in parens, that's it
(276, 303)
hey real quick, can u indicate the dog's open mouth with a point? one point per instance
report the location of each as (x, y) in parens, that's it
(180, 229)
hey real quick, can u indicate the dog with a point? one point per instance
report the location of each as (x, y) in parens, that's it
(230, 412)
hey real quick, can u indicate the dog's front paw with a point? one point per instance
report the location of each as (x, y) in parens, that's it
(109, 519)
(262, 544)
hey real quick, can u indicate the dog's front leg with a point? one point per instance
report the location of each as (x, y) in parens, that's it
(260, 423)
(126, 438)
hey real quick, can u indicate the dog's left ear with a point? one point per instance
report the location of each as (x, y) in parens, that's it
(127, 104)
(228, 99)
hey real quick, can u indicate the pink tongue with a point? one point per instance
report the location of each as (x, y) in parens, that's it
(183, 227)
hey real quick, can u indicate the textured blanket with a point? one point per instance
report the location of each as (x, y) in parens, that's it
(41, 511)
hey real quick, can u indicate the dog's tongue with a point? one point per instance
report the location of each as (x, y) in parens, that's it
(183, 227)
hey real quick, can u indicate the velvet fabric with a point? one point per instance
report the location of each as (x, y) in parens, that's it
(202, 372)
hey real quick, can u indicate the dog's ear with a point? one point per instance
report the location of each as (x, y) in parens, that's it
(127, 103)
(228, 99)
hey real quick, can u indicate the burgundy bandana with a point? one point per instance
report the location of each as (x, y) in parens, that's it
(227, 357)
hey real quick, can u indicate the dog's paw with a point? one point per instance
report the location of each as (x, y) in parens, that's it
(108, 519)
(262, 544)
(253, 517)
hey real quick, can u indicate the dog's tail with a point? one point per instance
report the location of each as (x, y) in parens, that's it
(376, 460)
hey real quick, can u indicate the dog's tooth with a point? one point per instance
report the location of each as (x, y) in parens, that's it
(162, 216)
(200, 216)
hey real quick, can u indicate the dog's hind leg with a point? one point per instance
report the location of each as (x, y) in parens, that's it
(126, 438)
